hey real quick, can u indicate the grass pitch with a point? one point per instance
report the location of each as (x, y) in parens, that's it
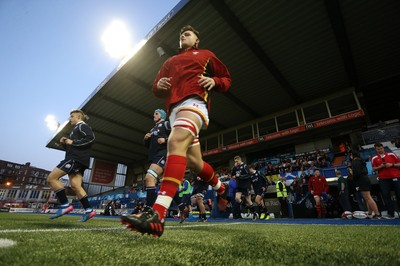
(104, 241)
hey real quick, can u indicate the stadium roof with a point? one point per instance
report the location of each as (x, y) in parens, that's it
(280, 54)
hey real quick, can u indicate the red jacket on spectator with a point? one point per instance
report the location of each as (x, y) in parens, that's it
(389, 157)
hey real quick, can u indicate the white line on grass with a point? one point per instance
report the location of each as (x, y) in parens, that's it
(6, 231)
(56, 230)
(199, 225)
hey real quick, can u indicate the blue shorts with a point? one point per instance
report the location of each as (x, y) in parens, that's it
(71, 167)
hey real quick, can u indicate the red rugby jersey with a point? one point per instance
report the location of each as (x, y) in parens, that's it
(185, 69)
(318, 185)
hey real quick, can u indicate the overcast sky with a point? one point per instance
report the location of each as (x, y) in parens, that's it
(52, 58)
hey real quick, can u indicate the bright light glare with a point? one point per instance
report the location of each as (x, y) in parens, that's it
(52, 122)
(132, 52)
(117, 40)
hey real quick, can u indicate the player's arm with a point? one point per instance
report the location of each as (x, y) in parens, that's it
(62, 141)
(168, 127)
(163, 135)
(263, 181)
(396, 163)
(221, 75)
(146, 139)
(375, 166)
(162, 82)
(88, 136)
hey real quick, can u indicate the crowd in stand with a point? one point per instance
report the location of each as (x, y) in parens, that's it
(302, 168)
(305, 162)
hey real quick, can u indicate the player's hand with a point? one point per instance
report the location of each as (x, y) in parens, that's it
(387, 165)
(206, 82)
(148, 135)
(164, 84)
(62, 139)
(161, 140)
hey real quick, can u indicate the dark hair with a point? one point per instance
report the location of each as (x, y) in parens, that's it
(190, 28)
(378, 144)
(355, 153)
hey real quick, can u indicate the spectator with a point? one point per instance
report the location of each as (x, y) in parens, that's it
(281, 194)
(118, 204)
(363, 184)
(269, 169)
(355, 194)
(297, 188)
(311, 167)
(343, 192)
(304, 181)
(387, 165)
(110, 208)
(139, 207)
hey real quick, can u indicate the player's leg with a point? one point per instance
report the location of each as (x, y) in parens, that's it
(203, 169)
(318, 205)
(183, 131)
(76, 185)
(371, 204)
(260, 206)
(57, 186)
(184, 128)
(250, 206)
(239, 203)
(53, 179)
(396, 188)
(202, 208)
(264, 207)
(59, 189)
(153, 173)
